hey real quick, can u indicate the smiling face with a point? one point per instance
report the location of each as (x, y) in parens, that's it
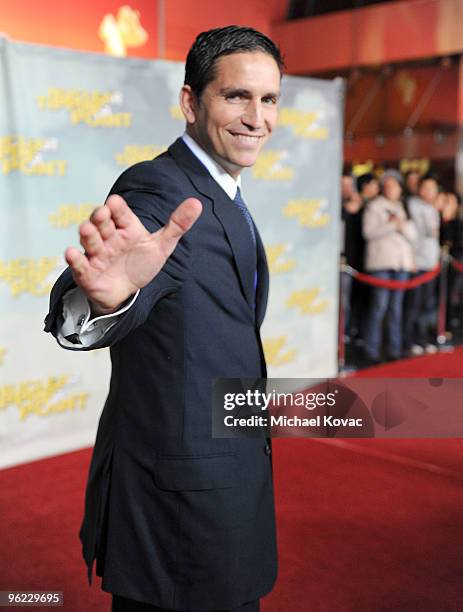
(237, 111)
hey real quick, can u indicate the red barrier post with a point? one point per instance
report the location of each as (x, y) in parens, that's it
(341, 321)
(442, 305)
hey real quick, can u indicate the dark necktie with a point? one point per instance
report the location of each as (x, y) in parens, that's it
(245, 212)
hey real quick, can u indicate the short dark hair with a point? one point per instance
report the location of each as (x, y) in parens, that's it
(210, 45)
(365, 179)
(412, 171)
(430, 176)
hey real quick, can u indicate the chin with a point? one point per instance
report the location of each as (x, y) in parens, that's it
(244, 161)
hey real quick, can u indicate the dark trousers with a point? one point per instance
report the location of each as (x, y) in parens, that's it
(420, 314)
(385, 303)
(121, 604)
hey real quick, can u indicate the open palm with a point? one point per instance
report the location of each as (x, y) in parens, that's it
(121, 255)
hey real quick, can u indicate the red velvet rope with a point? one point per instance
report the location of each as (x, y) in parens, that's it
(458, 265)
(396, 284)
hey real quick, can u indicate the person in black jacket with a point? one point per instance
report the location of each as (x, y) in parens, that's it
(177, 519)
(355, 294)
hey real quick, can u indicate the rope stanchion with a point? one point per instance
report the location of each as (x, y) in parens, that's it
(442, 305)
(441, 271)
(341, 322)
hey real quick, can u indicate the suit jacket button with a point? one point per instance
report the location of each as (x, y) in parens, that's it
(267, 449)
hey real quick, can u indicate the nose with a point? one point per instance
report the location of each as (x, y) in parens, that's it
(253, 116)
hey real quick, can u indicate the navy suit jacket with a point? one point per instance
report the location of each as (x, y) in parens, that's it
(175, 517)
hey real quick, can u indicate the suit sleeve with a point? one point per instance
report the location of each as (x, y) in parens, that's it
(78, 326)
(152, 199)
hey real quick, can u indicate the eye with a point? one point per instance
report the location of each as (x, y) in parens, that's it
(234, 97)
(269, 100)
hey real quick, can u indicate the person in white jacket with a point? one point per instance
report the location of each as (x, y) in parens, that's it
(420, 305)
(389, 235)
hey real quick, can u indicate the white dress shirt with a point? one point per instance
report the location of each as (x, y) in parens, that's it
(76, 308)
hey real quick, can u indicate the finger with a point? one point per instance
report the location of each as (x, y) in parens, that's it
(101, 218)
(77, 262)
(181, 220)
(90, 238)
(121, 214)
(100, 214)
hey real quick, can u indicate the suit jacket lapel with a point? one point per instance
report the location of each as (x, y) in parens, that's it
(239, 237)
(232, 220)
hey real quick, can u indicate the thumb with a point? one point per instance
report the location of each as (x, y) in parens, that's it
(181, 220)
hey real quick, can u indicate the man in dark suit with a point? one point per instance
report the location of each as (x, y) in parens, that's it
(177, 519)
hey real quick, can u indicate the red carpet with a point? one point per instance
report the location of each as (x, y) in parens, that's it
(365, 525)
(443, 365)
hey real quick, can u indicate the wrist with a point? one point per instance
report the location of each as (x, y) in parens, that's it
(98, 310)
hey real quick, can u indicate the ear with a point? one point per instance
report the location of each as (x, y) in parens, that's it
(188, 104)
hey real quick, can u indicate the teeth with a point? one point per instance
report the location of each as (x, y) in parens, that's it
(248, 139)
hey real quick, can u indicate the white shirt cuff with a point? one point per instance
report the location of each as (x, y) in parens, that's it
(77, 321)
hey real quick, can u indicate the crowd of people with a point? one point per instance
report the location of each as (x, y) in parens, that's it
(394, 228)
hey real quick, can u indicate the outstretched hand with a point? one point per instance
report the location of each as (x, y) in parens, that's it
(121, 255)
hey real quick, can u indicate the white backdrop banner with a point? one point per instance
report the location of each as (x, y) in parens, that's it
(70, 123)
